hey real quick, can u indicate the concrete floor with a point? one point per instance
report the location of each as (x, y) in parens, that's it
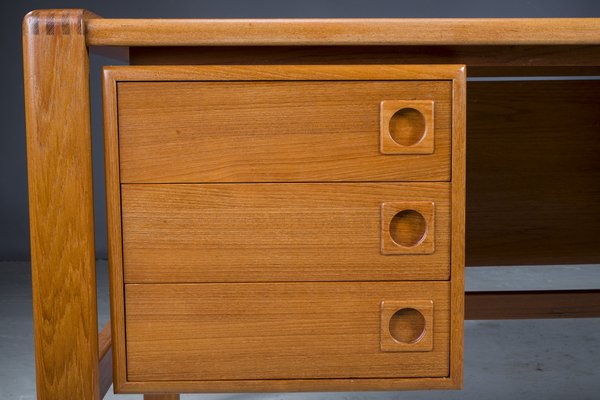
(532, 359)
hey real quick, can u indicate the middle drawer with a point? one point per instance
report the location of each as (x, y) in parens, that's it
(285, 232)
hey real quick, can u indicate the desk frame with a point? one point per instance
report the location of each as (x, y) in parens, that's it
(72, 360)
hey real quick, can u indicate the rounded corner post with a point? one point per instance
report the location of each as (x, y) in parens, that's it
(59, 163)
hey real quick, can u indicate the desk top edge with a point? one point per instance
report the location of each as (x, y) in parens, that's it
(315, 32)
(332, 32)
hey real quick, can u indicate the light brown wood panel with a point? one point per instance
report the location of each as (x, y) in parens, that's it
(295, 72)
(104, 341)
(113, 217)
(457, 253)
(533, 173)
(316, 330)
(533, 304)
(481, 60)
(274, 232)
(272, 131)
(59, 162)
(293, 385)
(340, 31)
(161, 397)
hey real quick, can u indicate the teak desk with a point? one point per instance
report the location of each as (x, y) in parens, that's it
(286, 198)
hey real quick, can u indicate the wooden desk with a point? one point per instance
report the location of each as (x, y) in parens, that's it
(532, 149)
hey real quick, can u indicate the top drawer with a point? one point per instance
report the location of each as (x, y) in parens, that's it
(311, 128)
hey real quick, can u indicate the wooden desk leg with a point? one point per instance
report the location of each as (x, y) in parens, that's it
(59, 162)
(161, 397)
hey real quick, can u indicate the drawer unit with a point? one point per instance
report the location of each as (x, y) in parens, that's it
(285, 228)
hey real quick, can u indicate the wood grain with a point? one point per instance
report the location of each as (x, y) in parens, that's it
(504, 60)
(272, 132)
(152, 202)
(406, 127)
(533, 304)
(113, 217)
(407, 325)
(339, 31)
(104, 341)
(533, 173)
(54, 41)
(296, 72)
(457, 277)
(497, 305)
(161, 397)
(59, 164)
(408, 227)
(295, 385)
(273, 232)
(275, 331)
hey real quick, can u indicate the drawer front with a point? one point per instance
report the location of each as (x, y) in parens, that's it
(286, 232)
(281, 131)
(194, 332)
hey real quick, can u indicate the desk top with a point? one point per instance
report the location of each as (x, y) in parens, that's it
(315, 32)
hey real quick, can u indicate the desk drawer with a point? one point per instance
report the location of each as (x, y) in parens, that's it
(285, 131)
(286, 232)
(194, 332)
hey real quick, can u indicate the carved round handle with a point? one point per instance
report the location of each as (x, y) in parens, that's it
(407, 325)
(407, 126)
(408, 228)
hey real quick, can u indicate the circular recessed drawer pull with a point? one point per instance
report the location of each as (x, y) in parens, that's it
(407, 325)
(406, 127)
(407, 227)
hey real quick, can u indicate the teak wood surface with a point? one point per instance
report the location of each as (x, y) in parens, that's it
(250, 331)
(275, 232)
(494, 61)
(59, 162)
(242, 209)
(533, 173)
(115, 76)
(340, 31)
(64, 322)
(281, 131)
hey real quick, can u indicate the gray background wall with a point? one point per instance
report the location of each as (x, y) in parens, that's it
(14, 224)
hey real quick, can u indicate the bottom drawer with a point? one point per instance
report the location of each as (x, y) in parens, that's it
(317, 330)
